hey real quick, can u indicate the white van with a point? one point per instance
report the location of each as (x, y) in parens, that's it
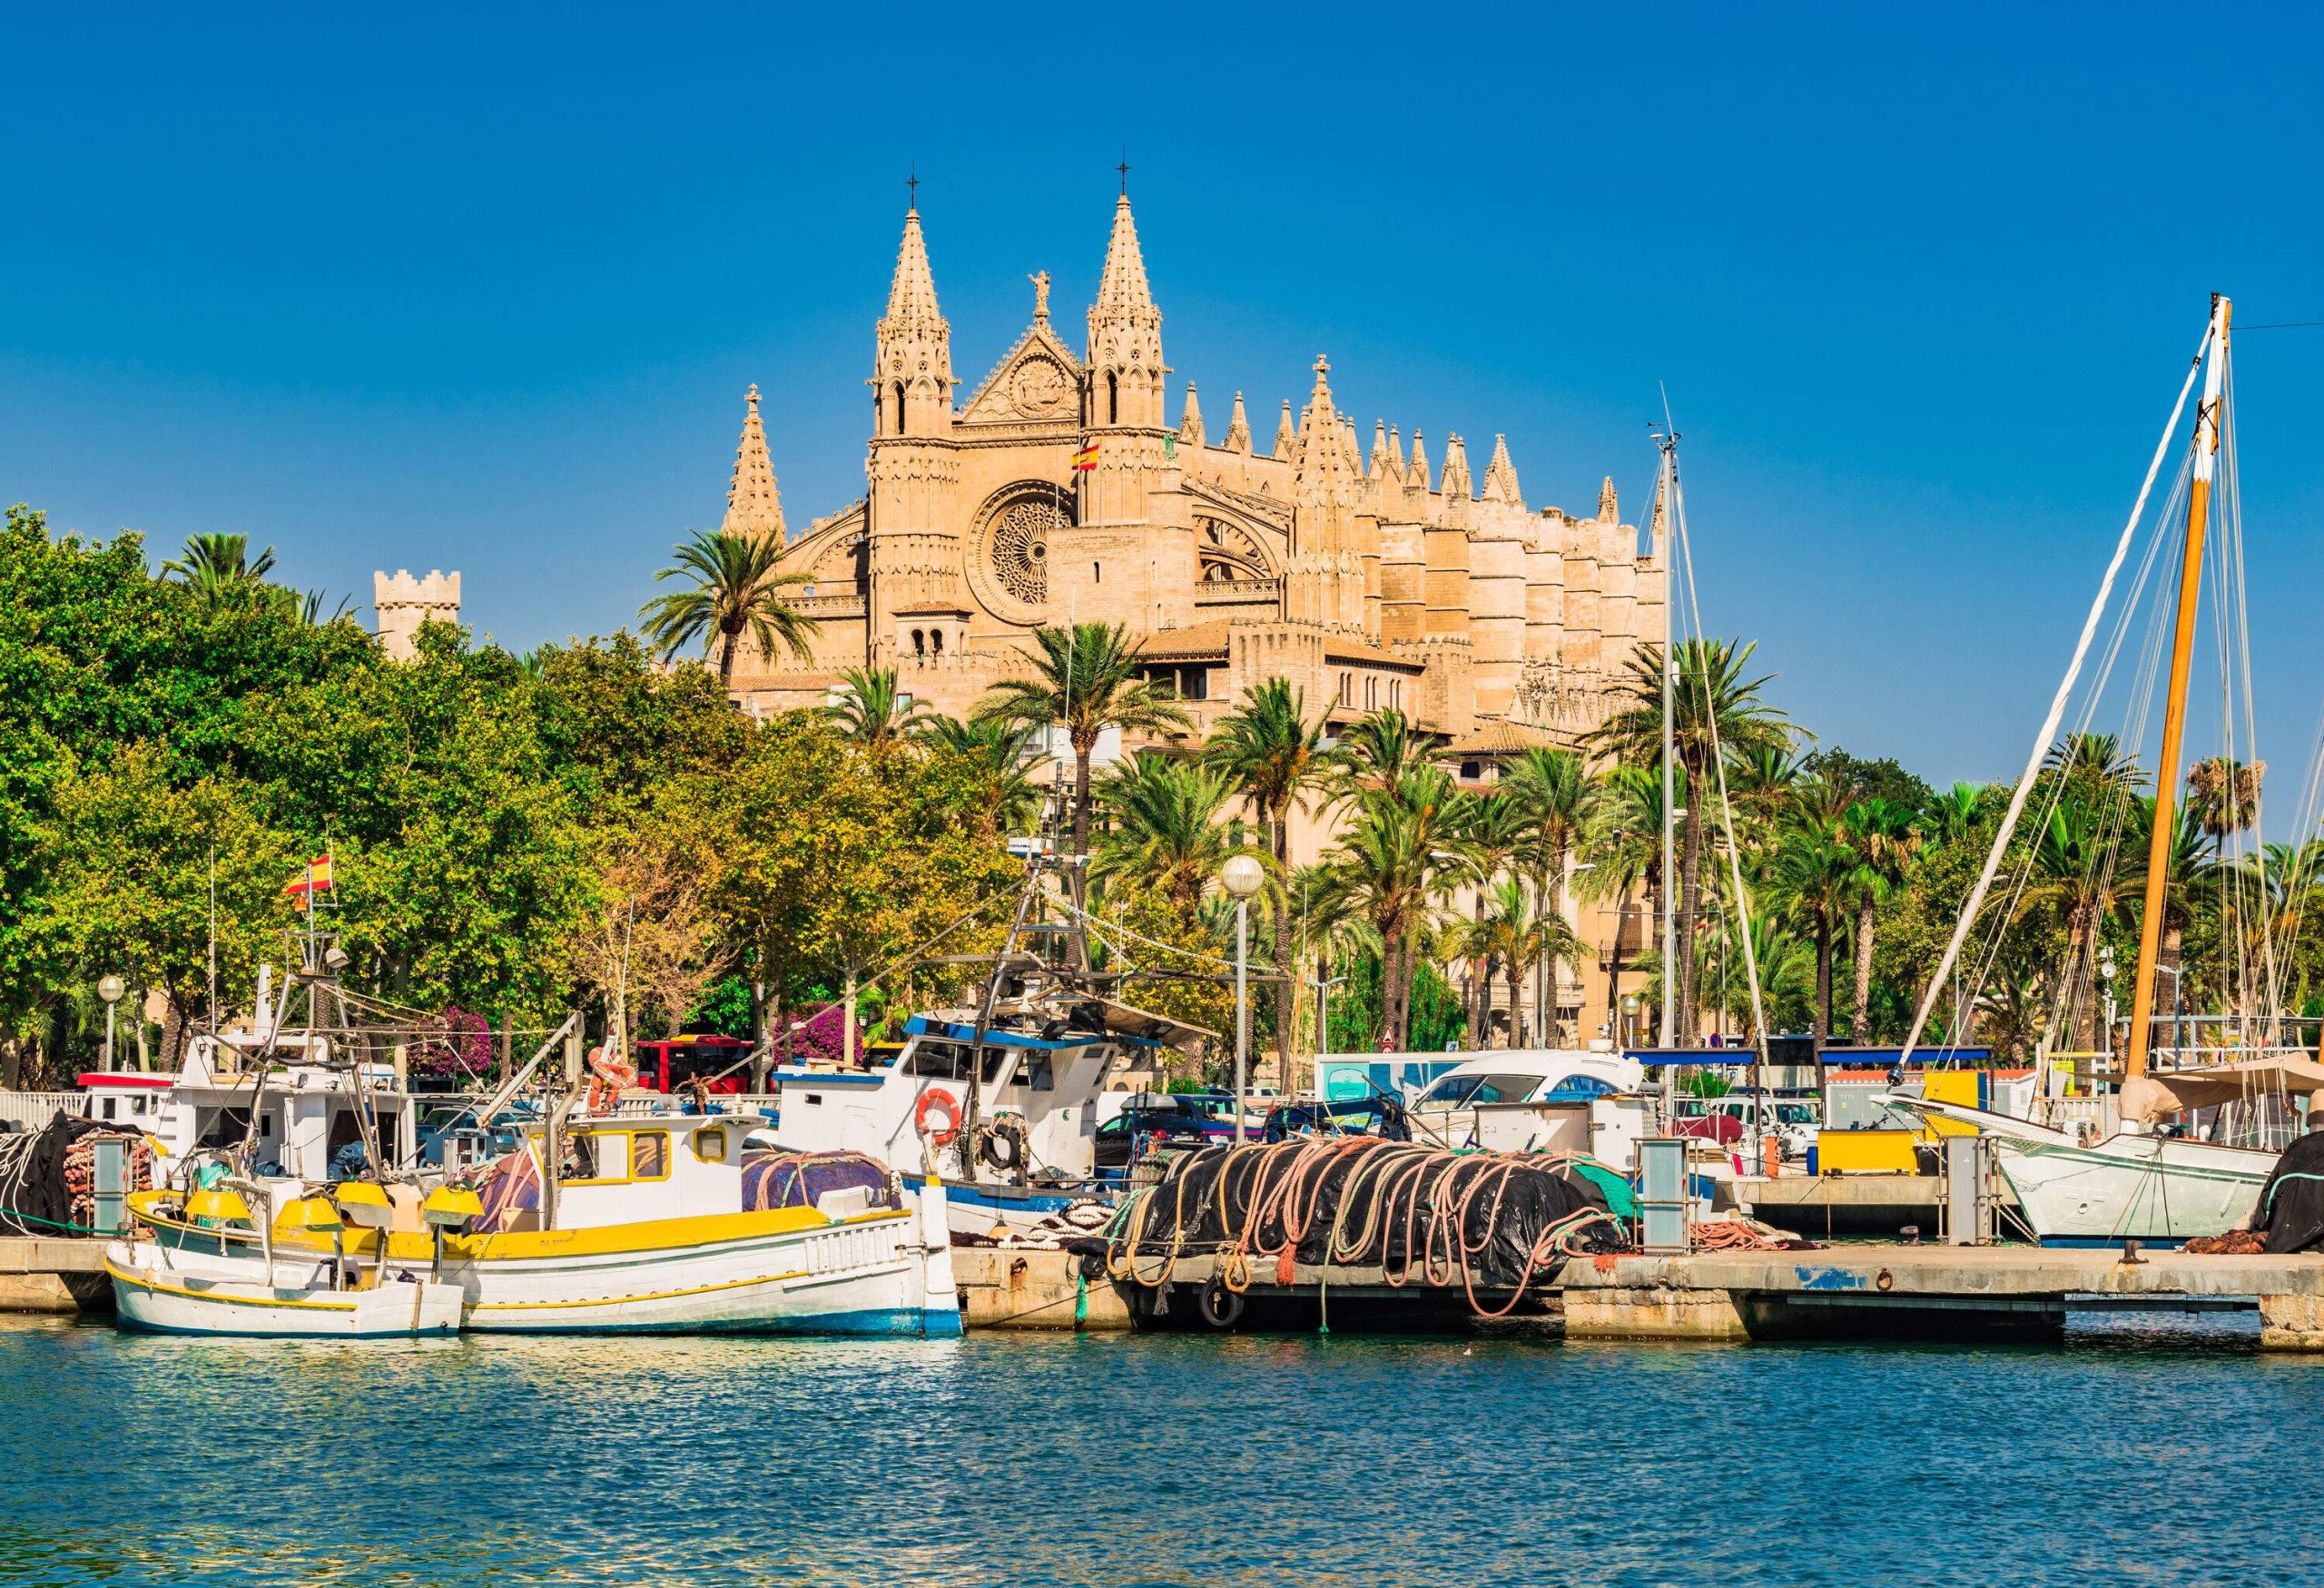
(1446, 1113)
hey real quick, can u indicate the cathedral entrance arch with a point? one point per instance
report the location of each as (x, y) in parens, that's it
(1009, 554)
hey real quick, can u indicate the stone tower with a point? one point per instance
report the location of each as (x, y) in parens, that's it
(404, 603)
(912, 549)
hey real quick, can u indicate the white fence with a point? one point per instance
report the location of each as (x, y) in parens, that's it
(35, 1108)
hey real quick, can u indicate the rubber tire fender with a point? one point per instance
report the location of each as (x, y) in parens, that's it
(1221, 1309)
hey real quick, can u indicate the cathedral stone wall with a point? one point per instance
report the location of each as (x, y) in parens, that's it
(1061, 488)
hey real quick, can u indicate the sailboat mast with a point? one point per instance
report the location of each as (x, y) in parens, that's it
(1665, 489)
(2174, 707)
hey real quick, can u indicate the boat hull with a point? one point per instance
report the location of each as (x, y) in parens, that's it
(774, 1272)
(2158, 1189)
(161, 1292)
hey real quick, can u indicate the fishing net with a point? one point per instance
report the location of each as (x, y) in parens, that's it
(510, 1186)
(48, 1176)
(774, 1177)
(1363, 1206)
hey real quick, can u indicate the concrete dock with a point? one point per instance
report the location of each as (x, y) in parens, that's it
(1946, 1292)
(46, 1274)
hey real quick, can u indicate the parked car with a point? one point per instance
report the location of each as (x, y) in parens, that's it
(1129, 1136)
(1382, 1117)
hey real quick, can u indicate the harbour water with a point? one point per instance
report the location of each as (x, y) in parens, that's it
(2144, 1452)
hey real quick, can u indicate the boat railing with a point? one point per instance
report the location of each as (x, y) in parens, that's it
(33, 1110)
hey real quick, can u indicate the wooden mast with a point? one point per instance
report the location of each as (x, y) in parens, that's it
(2174, 707)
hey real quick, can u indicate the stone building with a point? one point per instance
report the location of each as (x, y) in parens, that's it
(1059, 488)
(403, 603)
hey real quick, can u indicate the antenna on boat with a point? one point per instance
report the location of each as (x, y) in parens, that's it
(2174, 705)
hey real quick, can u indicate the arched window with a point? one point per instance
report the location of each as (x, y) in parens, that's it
(1113, 399)
(879, 411)
(899, 408)
(1097, 574)
(936, 640)
(918, 643)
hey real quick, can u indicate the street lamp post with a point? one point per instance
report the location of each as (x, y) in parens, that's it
(110, 987)
(1630, 1019)
(1241, 876)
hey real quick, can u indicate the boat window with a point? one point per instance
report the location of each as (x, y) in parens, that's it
(105, 1109)
(649, 1155)
(710, 1144)
(995, 1060)
(580, 1155)
(1036, 1073)
(943, 1060)
(1462, 1092)
(1580, 1089)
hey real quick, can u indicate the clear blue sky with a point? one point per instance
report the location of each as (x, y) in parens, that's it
(390, 288)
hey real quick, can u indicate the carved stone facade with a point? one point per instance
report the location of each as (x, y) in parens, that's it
(1059, 491)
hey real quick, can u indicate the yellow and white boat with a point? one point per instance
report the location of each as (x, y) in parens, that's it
(643, 1228)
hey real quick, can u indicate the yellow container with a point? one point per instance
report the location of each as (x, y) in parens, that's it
(1866, 1152)
(1957, 1087)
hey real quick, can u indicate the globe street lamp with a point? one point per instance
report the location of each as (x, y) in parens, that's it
(1241, 877)
(110, 987)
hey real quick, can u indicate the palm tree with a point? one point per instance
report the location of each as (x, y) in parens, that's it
(1278, 757)
(872, 711)
(1814, 885)
(1952, 815)
(2223, 796)
(1379, 749)
(215, 565)
(1879, 834)
(1623, 846)
(1553, 790)
(1512, 932)
(737, 589)
(2074, 875)
(1000, 751)
(1166, 830)
(1719, 712)
(1386, 869)
(2097, 759)
(1085, 680)
(1489, 842)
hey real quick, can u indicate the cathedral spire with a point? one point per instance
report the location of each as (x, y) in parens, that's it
(1455, 482)
(1500, 475)
(1238, 429)
(1386, 461)
(1286, 433)
(1124, 357)
(1190, 424)
(912, 375)
(1608, 510)
(1417, 473)
(1323, 478)
(753, 506)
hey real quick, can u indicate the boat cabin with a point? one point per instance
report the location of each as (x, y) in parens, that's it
(631, 1168)
(314, 1112)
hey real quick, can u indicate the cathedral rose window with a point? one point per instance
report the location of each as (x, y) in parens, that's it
(1018, 549)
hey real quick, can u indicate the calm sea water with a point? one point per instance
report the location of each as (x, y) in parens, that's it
(2138, 1453)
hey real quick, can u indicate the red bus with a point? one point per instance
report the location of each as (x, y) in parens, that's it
(668, 1064)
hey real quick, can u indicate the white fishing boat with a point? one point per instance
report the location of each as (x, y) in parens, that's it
(642, 1228)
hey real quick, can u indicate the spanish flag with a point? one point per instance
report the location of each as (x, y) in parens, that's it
(316, 878)
(1087, 458)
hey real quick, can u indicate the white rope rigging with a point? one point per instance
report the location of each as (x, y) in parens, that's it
(2043, 739)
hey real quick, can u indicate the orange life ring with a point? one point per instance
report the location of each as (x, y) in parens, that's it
(936, 1100)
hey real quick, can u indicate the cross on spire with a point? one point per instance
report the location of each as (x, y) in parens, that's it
(1124, 169)
(911, 186)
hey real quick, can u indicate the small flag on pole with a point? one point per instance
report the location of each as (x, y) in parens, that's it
(1087, 458)
(315, 879)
